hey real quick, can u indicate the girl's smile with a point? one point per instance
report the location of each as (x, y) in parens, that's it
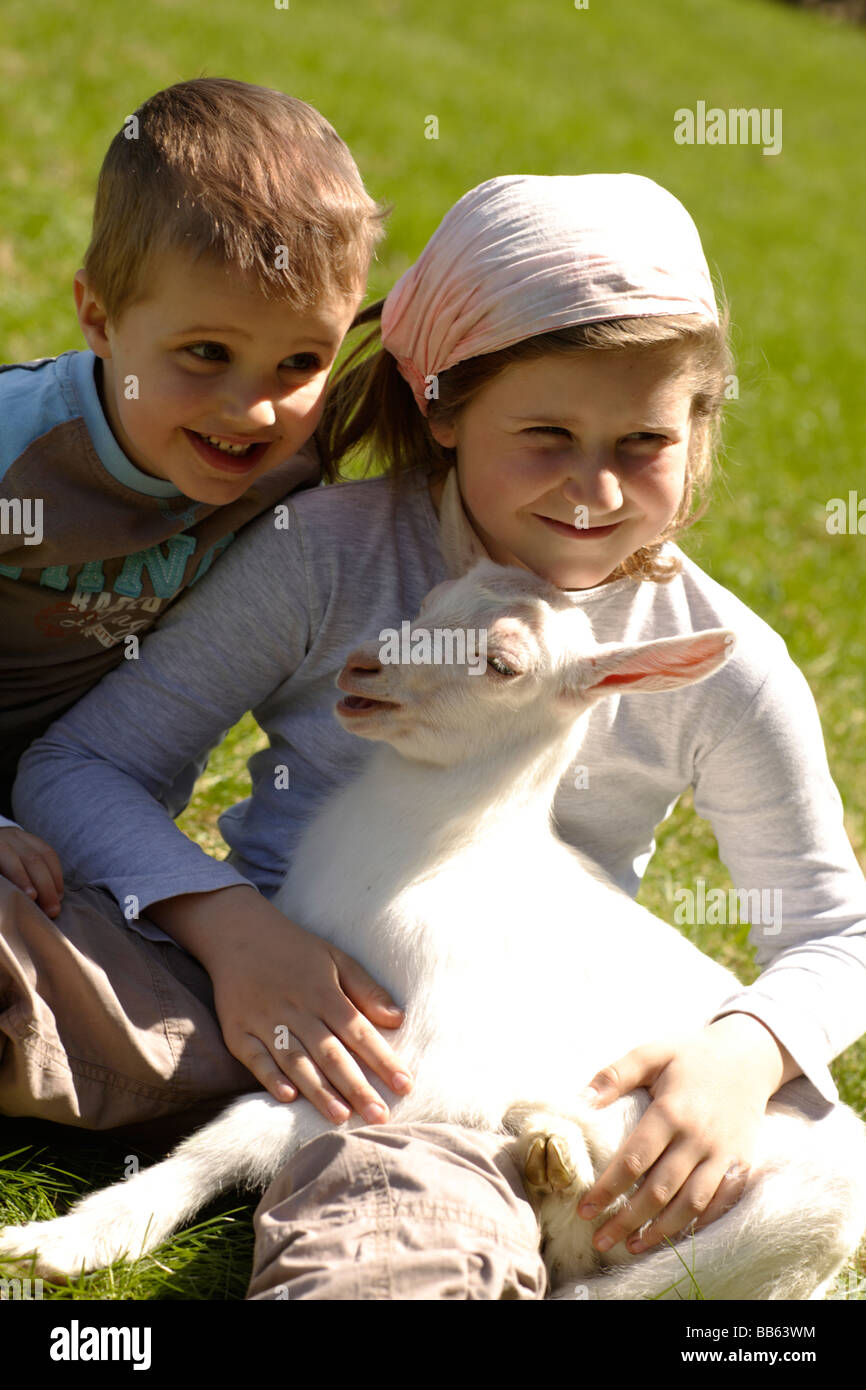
(568, 464)
(575, 532)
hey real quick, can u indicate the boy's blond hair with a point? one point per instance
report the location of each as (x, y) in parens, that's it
(250, 177)
(371, 410)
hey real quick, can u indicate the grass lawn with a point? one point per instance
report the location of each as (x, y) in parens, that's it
(543, 88)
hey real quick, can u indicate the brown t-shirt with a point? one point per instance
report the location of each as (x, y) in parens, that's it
(92, 550)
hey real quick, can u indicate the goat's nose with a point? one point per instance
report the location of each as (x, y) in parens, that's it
(361, 659)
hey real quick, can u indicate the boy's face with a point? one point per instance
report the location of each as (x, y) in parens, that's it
(204, 359)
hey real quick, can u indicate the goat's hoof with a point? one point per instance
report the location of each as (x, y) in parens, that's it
(20, 1248)
(59, 1250)
(550, 1151)
(548, 1164)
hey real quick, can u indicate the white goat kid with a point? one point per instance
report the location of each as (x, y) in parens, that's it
(439, 870)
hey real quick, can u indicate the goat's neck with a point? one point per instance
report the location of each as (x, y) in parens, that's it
(477, 798)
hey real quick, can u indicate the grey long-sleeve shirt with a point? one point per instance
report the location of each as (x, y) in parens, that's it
(269, 628)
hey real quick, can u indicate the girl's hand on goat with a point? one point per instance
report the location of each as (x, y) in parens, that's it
(693, 1147)
(296, 1011)
(32, 866)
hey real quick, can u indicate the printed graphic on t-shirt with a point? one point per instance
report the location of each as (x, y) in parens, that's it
(107, 600)
(98, 616)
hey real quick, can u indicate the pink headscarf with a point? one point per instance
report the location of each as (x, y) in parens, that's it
(526, 253)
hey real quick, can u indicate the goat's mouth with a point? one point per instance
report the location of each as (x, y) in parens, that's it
(360, 704)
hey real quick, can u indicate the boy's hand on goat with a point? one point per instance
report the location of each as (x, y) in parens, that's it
(32, 866)
(295, 1010)
(692, 1149)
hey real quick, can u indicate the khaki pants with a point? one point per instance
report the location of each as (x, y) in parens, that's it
(98, 1026)
(102, 1028)
(415, 1211)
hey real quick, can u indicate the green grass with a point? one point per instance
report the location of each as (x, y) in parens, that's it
(210, 1260)
(516, 87)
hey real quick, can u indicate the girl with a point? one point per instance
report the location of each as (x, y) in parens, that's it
(549, 387)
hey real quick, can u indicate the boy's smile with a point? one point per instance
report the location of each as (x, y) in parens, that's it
(205, 382)
(569, 464)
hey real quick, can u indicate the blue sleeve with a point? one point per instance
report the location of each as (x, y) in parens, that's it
(32, 402)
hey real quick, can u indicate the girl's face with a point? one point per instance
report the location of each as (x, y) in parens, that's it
(569, 464)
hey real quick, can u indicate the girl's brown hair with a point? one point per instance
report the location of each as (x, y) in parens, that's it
(372, 410)
(251, 177)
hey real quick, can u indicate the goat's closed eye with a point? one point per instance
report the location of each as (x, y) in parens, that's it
(501, 666)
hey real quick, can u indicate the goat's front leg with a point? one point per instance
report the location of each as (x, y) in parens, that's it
(556, 1165)
(559, 1159)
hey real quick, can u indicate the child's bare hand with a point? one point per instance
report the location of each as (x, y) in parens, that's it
(693, 1147)
(298, 1012)
(32, 866)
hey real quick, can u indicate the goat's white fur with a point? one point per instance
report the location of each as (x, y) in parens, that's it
(522, 970)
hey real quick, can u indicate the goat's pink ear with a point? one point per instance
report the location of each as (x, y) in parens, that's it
(664, 664)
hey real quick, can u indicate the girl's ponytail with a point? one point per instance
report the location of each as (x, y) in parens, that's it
(371, 410)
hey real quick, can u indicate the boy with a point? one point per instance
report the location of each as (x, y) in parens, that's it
(232, 237)
(231, 240)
